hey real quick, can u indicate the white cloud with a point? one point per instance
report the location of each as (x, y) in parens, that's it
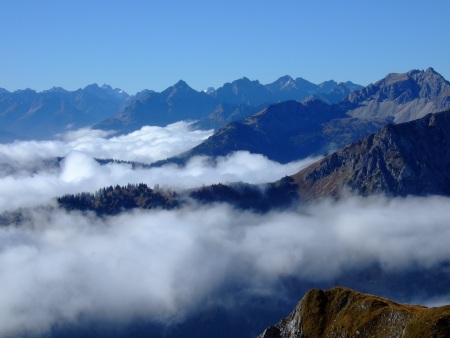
(30, 174)
(164, 264)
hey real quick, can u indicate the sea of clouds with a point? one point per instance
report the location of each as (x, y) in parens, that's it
(163, 265)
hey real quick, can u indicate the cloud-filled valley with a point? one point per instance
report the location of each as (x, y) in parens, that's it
(59, 266)
(30, 174)
(163, 265)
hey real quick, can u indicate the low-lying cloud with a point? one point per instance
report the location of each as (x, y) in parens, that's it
(164, 264)
(30, 174)
(147, 145)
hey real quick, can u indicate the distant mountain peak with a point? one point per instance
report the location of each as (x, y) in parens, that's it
(209, 90)
(55, 90)
(105, 86)
(403, 96)
(92, 86)
(245, 80)
(181, 84)
(286, 82)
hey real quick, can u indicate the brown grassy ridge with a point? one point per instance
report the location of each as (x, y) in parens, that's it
(341, 312)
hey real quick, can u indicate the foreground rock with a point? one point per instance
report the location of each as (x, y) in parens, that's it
(341, 312)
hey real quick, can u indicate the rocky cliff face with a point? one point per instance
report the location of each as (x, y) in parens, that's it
(410, 158)
(404, 97)
(341, 312)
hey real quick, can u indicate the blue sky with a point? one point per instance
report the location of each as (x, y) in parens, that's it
(139, 44)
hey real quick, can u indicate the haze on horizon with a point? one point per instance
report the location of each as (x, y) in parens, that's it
(152, 45)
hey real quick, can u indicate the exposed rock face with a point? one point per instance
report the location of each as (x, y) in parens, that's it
(405, 97)
(410, 158)
(341, 312)
(223, 114)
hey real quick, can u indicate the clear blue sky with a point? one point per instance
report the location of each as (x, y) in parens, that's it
(139, 44)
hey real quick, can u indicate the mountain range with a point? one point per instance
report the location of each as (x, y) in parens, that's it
(292, 130)
(390, 138)
(27, 114)
(228, 103)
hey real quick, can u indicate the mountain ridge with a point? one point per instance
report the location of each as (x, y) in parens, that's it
(396, 98)
(342, 312)
(243, 95)
(404, 159)
(402, 96)
(41, 115)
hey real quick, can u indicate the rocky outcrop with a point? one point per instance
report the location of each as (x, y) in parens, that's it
(341, 312)
(406, 159)
(404, 97)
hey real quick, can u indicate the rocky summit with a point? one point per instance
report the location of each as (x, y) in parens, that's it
(406, 159)
(401, 96)
(341, 312)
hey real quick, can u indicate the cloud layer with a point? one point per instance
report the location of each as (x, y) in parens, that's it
(163, 265)
(30, 174)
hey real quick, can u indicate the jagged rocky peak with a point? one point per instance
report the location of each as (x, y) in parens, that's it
(283, 83)
(55, 90)
(403, 96)
(181, 84)
(342, 312)
(326, 86)
(179, 87)
(404, 159)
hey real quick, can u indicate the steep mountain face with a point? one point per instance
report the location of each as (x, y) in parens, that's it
(3, 91)
(404, 97)
(29, 114)
(224, 114)
(243, 91)
(286, 88)
(342, 312)
(410, 158)
(286, 131)
(176, 103)
(100, 102)
(332, 92)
